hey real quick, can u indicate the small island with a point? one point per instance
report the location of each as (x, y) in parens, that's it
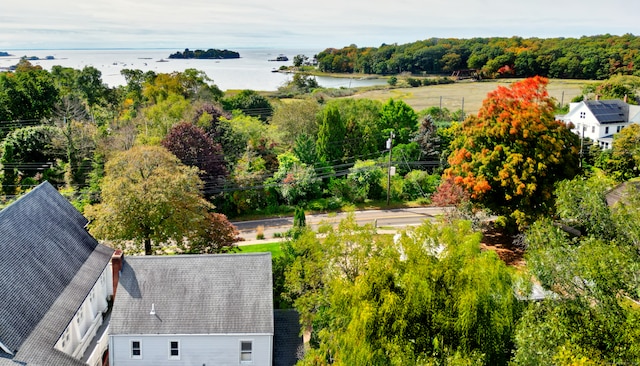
(4, 54)
(280, 57)
(36, 58)
(208, 54)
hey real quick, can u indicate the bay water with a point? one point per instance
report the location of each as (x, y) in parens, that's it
(253, 70)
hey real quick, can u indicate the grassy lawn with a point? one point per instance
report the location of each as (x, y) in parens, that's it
(473, 93)
(274, 248)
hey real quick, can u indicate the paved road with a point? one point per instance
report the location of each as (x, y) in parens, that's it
(395, 218)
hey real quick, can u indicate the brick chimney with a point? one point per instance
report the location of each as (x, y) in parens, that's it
(626, 98)
(116, 266)
(597, 96)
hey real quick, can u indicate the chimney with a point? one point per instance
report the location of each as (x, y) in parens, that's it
(116, 267)
(597, 96)
(626, 98)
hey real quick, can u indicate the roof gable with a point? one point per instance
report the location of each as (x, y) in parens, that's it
(194, 294)
(43, 246)
(609, 111)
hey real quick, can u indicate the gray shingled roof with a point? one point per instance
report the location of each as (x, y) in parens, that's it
(609, 111)
(194, 294)
(286, 338)
(49, 265)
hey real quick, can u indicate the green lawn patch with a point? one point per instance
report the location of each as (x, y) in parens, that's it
(274, 248)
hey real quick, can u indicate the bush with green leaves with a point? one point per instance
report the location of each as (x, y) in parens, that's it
(365, 178)
(419, 184)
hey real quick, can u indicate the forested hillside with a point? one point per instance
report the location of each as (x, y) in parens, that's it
(593, 57)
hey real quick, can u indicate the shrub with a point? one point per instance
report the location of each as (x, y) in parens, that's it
(419, 184)
(413, 82)
(449, 194)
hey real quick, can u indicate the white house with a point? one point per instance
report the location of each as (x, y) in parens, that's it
(56, 282)
(193, 310)
(600, 120)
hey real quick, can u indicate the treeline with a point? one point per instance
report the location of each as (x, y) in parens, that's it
(594, 57)
(255, 154)
(208, 54)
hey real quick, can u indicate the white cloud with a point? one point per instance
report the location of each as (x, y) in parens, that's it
(328, 23)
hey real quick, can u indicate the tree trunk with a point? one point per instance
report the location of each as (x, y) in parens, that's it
(147, 246)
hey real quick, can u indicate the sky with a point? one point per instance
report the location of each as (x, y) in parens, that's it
(65, 24)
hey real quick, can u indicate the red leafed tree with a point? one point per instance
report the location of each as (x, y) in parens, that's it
(509, 156)
(194, 147)
(217, 235)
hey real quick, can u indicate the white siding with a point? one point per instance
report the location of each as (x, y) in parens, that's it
(77, 336)
(208, 350)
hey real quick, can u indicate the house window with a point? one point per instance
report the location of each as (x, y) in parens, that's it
(246, 351)
(593, 129)
(606, 130)
(583, 114)
(174, 350)
(65, 338)
(618, 128)
(136, 349)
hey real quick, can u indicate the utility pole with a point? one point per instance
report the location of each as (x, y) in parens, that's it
(390, 147)
(581, 145)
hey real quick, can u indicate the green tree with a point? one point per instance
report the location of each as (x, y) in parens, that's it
(248, 176)
(28, 93)
(362, 131)
(624, 161)
(305, 149)
(299, 60)
(419, 184)
(250, 103)
(399, 117)
(431, 297)
(299, 219)
(158, 119)
(365, 179)
(148, 197)
(331, 132)
(191, 84)
(296, 181)
(590, 311)
(28, 152)
(581, 204)
(510, 155)
(295, 118)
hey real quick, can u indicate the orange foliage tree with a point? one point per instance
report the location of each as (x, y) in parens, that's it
(509, 156)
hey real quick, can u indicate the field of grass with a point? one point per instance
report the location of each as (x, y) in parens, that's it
(274, 248)
(473, 92)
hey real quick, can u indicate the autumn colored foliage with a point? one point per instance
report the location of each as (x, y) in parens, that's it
(509, 156)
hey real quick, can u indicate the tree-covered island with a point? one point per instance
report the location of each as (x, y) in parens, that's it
(208, 54)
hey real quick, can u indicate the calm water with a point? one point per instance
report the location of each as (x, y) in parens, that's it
(252, 70)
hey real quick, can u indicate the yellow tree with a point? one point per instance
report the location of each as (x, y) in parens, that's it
(149, 197)
(509, 156)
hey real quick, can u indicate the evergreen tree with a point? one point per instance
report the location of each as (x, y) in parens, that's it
(329, 146)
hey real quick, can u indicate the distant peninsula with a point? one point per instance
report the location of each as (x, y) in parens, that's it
(208, 54)
(3, 54)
